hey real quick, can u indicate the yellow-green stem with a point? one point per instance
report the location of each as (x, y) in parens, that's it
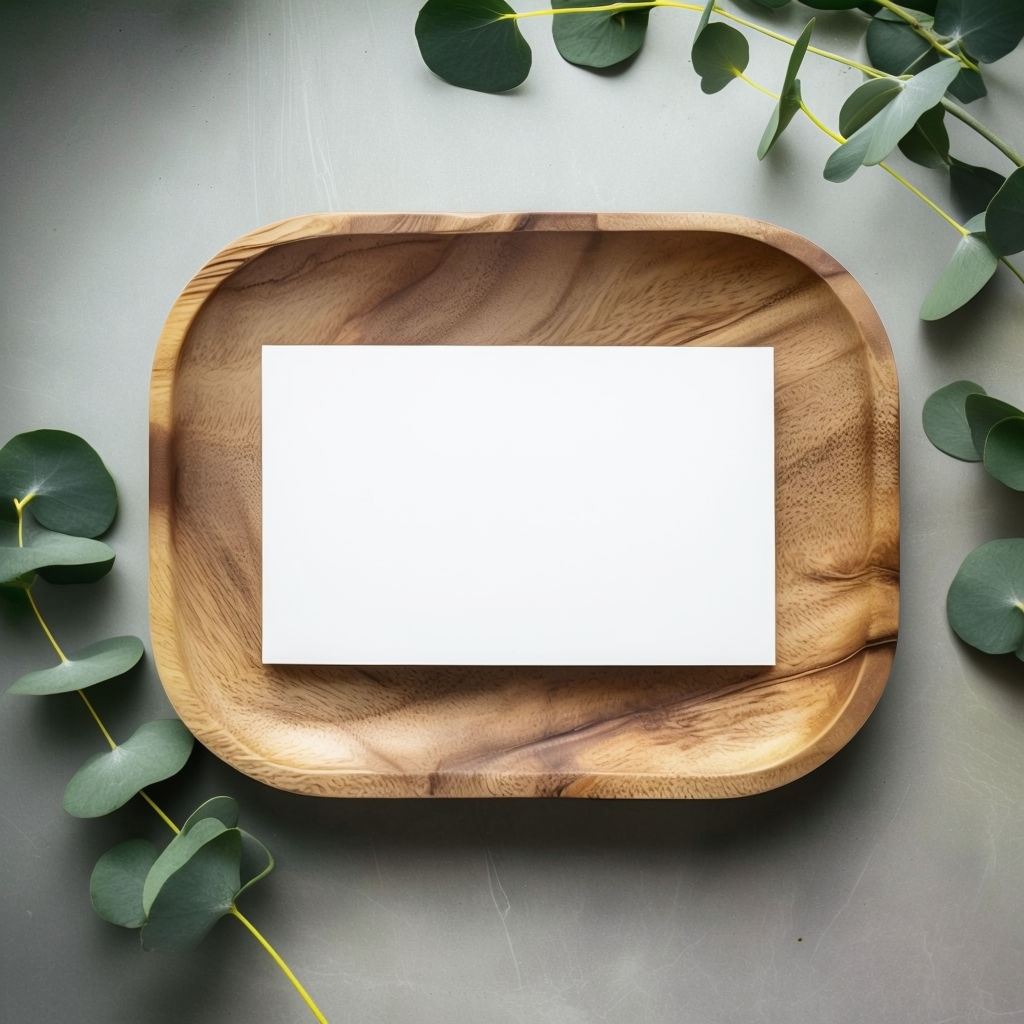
(276, 957)
(930, 37)
(45, 628)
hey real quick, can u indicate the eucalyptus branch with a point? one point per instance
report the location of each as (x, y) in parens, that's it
(928, 36)
(986, 133)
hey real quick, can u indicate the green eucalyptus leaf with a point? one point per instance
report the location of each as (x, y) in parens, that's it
(182, 904)
(968, 86)
(895, 48)
(704, 19)
(257, 861)
(983, 412)
(987, 29)
(927, 143)
(115, 886)
(832, 5)
(973, 187)
(223, 808)
(94, 664)
(789, 96)
(985, 603)
(475, 44)
(972, 266)
(874, 141)
(598, 40)
(1004, 217)
(771, 4)
(1004, 452)
(65, 558)
(71, 490)
(868, 99)
(156, 751)
(720, 54)
(944, 418)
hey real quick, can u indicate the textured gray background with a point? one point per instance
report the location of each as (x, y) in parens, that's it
(139, 139)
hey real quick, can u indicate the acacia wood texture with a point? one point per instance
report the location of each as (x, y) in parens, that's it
(550, 279)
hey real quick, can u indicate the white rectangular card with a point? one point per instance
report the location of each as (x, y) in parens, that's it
(518, 505)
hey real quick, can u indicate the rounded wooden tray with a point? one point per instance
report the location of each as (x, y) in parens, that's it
(546, 279)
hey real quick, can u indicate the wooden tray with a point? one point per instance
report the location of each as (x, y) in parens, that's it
(545, 279)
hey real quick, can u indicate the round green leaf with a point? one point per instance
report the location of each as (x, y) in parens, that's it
(1004, 217)
(94, 664)
(1004, 452)
(475, 44)
(968, 86)
(983, 412)
(789, 96)
(945, 420)
(973, 264)
(61, 557)
(987, 29)
(985, 603)
(598, 40)
(192, 885)
(720, 54)
(156, 751)
(72, 491)
(115, 886)
(973, 187)
(927, 143)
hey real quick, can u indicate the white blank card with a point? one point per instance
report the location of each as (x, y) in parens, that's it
(518, 505)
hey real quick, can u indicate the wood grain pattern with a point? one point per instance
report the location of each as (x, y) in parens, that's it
(548, 279)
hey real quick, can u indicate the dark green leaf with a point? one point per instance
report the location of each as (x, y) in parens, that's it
(1004, 452)
(720, 54)
(771, 4)
(832, 5)
(71, 490)
(865, 101)
(223, 808)
(191, 886)
(156, 751)
(875, 140)
(895, 48)
(1004, 217)
(85, 560)
(973, 264)
(927, 143)
(945, 420)
(115, 887)
(988, 29)
(968, 86)
(983, 413)
(257, 861)
(94, 664)
(973, 187)
(598, 40)
(985, 604)
(789, 96)
(475, 44)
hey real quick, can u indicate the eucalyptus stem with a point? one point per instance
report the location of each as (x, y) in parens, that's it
(276, 957)
(986, 133)
(19, 506)
(933, 40)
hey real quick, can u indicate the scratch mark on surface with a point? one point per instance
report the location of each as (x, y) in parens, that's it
(504, 907)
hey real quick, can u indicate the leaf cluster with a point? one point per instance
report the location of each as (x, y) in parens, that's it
(923, 58)
(56, 499)
(985, 602)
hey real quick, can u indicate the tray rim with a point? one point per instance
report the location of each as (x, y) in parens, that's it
(849, 715)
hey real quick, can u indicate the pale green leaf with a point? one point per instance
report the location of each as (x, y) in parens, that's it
(94, 664)
(972, 266)
(156, 751)
(61, 557)
(789, 96)
(868, 99)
